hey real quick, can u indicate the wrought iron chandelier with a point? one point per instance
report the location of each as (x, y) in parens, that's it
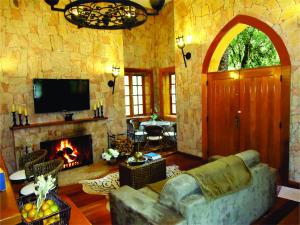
(106, 14)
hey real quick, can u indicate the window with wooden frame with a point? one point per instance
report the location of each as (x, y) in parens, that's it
(172, 81)
(167, 91)
(138, 85)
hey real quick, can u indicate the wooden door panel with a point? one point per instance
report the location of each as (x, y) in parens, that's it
(223, 103)
(260, 91)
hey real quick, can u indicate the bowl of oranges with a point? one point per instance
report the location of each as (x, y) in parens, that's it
(52, 211)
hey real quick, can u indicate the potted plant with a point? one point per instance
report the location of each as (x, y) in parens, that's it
(110, 155)
(154, 116)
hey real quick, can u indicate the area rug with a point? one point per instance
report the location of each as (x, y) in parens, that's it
(104, 185)
(73, 176)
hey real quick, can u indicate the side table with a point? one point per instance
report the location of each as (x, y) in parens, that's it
(140, 175)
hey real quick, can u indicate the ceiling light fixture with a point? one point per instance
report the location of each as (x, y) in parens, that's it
(106, 14)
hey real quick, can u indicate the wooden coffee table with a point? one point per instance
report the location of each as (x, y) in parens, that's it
(147, 173)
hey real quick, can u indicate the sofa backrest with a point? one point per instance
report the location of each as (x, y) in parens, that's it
(184, 185)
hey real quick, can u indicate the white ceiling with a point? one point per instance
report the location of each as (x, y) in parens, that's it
(146, 3)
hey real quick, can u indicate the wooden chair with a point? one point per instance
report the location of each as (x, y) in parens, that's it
(134, 132)
(26, 163)
(51, 167)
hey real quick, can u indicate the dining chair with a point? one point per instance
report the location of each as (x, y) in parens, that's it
(171, 134)
(51, 167)
(154, 134)
(135, 134)
(26, 163)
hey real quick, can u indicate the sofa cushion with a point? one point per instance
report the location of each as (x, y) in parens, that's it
(250, 157)
(178, 188)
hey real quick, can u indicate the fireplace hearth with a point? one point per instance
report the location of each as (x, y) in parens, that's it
(75, 151)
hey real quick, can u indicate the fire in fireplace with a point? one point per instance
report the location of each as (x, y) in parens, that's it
(75, 151)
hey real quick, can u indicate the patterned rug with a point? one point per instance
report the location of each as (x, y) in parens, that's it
(104, 185)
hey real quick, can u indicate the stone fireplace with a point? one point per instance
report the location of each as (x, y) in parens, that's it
(75, 151)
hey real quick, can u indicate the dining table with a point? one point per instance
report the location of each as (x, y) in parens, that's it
(164, 124)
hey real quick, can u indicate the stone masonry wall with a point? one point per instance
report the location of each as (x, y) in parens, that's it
(151, 45)
(202, 20)
(36, 42)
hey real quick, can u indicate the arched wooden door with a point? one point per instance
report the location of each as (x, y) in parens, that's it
(244, 112)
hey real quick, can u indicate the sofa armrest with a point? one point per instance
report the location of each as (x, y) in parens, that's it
(177, 189)
(130, 206)
(250, 157)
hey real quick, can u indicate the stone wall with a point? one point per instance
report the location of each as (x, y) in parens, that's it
(36, 42)
(202, 20)
(151, 45)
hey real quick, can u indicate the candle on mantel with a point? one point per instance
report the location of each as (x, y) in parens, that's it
(20, 110)
(25, 112)
(101, 102)
(13, 108)
(95, 107)
(98, 104)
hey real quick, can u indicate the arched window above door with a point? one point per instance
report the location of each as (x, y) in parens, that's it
(251, 48)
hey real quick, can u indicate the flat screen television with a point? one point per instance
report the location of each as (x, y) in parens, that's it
(57, 95)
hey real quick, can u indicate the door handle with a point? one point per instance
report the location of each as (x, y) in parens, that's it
(237, 121)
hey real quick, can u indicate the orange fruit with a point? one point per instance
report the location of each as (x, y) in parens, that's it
(51, 220)
(45, 221)
(28, 207)
(40, 214)
(24, 215)
(45, 206)
(32, 213)
(28, 220)
(50, 202)
(47, 212)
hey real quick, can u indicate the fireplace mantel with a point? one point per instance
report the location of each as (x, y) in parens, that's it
(48, 124)
(55, 123)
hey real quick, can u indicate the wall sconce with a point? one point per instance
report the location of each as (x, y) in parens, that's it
(115, 74)
(181, 44)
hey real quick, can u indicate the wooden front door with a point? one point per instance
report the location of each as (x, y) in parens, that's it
(244, 113)
(223, 105)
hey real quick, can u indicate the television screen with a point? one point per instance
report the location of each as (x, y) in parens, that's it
(56, 95)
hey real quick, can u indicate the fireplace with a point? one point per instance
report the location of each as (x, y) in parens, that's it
(75, 151)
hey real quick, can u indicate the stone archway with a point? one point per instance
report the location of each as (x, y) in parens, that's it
(211, 63)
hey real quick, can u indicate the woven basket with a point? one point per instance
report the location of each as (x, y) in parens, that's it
(64, 212)
(138, 176)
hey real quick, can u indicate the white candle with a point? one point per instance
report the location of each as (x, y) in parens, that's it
(13, 108)
(95, 107)
(25, 112)
(101, 102)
